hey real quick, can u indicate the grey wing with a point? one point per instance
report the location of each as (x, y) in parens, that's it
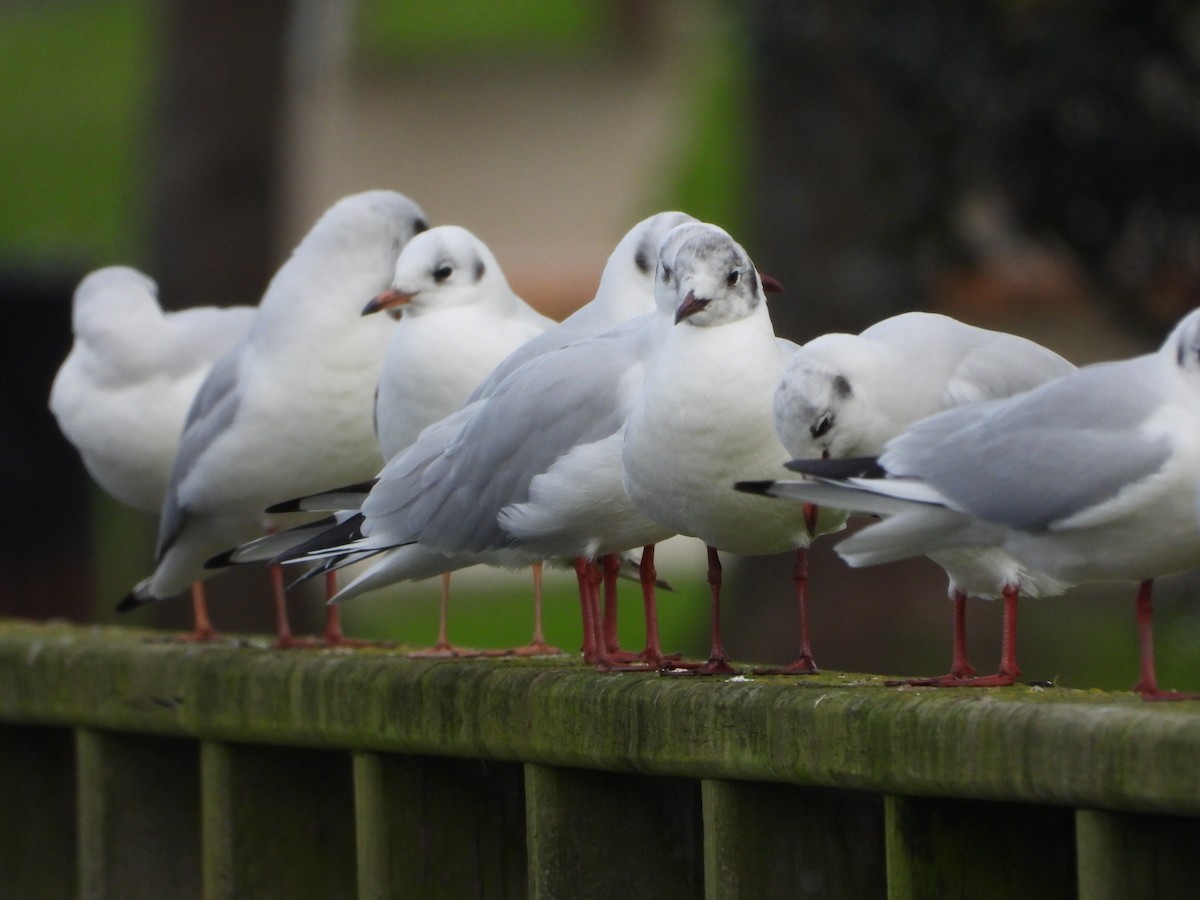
(1037, 458)
(1001, 366)
(566, 398)
(539, 345)
(212, 410)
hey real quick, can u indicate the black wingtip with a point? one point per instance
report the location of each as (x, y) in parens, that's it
(753, 487)
(288, 506)
(130, 601)
(221, 560)
(855, 467)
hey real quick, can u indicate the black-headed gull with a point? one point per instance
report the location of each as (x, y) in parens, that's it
(459, 319)
(705, 415)
(845, 395)
(288, 410)
(448, 492)
(123, 392)
(1092, 476)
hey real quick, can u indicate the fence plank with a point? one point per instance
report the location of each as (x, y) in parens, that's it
(776, 840)
(431, 827)
(277, 822)
(1125, 856)
(37, 812)
(941, 849)
(1086, 749)
(139, 813)
(599, 835)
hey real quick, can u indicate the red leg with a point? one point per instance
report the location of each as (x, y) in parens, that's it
(332, 636)
(537, 645)
(1009, 670)
(283, 629)
(718, 660)
(652, 654)
(804, 664)
(1147, 684)
(587, 602)
(960, 667)
(203, 630)
(443, 648)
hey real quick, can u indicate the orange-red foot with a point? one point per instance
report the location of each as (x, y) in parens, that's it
(998, 680)
(446, 651)
(340, 640)
(801, 665)
(715, 665)
(536, 648)
(199, 636)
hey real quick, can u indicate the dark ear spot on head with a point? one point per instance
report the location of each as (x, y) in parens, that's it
(642, 261)
(419, 226)
(841, 386)
(753, 280)
(480, 268)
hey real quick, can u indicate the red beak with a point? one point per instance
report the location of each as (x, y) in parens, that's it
(770, 285)
(691, 304)
(386, 300)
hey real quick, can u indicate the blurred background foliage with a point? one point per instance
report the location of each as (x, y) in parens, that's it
(1027, 164)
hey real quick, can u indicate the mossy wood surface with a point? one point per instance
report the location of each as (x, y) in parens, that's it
(1085, 749)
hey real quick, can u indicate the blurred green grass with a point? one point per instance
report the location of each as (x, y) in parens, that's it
(74, 88)
(498, 612)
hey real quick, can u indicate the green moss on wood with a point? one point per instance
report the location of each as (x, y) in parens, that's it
(1075, 748)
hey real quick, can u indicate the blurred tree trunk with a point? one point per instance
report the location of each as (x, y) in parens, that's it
(217, 165)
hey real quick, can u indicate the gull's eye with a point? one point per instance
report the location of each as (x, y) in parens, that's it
(733, 278)
(822, 426)
(441, 273)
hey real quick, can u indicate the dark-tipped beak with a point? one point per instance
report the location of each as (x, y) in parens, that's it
(690, 306)
(770, 285)
(386, 300)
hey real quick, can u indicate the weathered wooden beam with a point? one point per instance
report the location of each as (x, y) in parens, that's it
(599, 835)
(963, 850)
(139, 816)
(277, 823)
(430, 827)
(37, 812)
(777, 840)
(1137, 857)
(1091, 749)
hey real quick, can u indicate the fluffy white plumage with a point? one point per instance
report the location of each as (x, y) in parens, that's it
(123, 392)
(459, 320)
(289, 410)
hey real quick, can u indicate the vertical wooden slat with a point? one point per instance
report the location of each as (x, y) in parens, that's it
(277, 822)
(776, 840)
(603, 835)
(946, 849)
(37, 812)
(138, 815)
(1123, 856)
(439, 827)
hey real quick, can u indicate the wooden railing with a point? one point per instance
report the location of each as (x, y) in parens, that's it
(135, 767)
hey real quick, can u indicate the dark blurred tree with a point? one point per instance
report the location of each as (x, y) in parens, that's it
(878, 121)
(217, 173)
(880, 125)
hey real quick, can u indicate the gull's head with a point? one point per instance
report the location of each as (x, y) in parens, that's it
(715, 280)
(111, 293)
(441, 268)
(372, 219)
(816, 409)
(665, 281)
(1183, 343)
(638, 250)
